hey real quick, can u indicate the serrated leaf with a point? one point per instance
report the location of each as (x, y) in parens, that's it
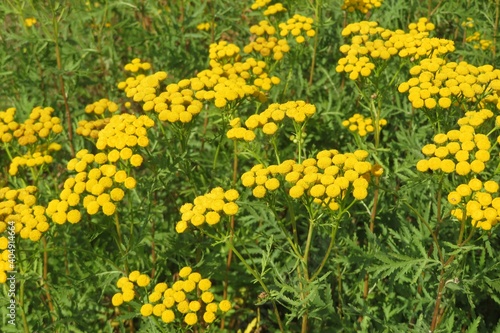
(474, 326)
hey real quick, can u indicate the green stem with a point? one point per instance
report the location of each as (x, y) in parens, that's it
(333, 234)
(261, 282)
(275, 148)
(55, 22)
(316, 41)
(426, 224)
(120, 240)
(307, 249)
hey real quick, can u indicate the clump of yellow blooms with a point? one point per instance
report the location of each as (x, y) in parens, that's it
(461, 151)
(101, 106)
(91, 128)
(39, 125)
(267, 47)
(124, 130)
(270, 119)
(227, 91)
(30, 21)
(99, 189)
(326, 179)
(479, 43)
(127, 286)
(177, 104)
(223, 84)
(237, 132)
(7, 124)
(259, 4)
(208, 208)
(264, 27)
(363, 6)
(223, 52)
(477, 200)
(361, 125)
(19, 206)
(469, 23)
(236, 77)
(205, 26)
(143, 86)
(365, 47)
(297, 25)
(41, 156)
(436, 82)
(189, 298)
(135, 65)
(475, 118)
(274, 9)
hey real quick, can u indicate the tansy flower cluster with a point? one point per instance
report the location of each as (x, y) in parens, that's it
(422, 25)
(325, 179)
(364, 6)
(476, 118)
(469, 23)
(19, 206)
(297, 25)
(91, 128)
(7, 124)
(477, 200)
(135, 65)
(267, 47)
(177, 104)
(30, 21)
(437, 82)
(206, 26)
(360, 55)
(237, 132)
(101, 106)
(99, 189)
(208, 208)
(228, 91)
(223, 52)
(259, 4)
(142, 88)
(124, 131)
(460, 151)
(274, 9)
(127, 286)
(269, 119)
(174, 104)
(41, 156)
(237, 75)
(264, 27)
(39, 125)
(361, 125)
(478, 42)
(188, 298)
(222, 84)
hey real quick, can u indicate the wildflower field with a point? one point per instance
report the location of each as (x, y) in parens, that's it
(249, 166)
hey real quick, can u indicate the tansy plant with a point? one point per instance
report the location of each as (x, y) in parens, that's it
(249, 166)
